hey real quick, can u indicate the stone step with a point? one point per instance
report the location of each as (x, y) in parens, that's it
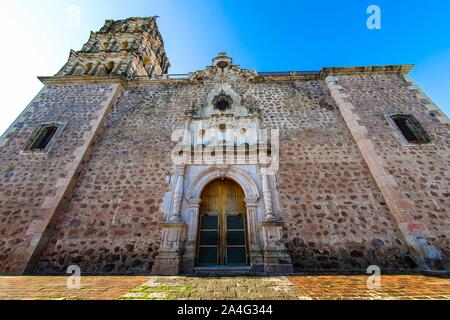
(223, 270)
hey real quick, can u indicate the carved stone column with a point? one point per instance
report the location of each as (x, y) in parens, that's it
(175, 216)
(267, 194)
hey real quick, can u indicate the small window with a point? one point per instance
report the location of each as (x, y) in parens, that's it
(222, 102)
(44, 137)
(411, 130)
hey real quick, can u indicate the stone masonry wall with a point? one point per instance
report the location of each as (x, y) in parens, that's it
(113, 222)
(334, 213)
(420, 171)
(27, 179)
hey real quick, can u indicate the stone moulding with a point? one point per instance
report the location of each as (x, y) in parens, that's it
(402, 69)
(244, 180)
(64, 80)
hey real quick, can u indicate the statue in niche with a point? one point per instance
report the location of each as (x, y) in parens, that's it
(78, 70)
(135, 45)
(96, 47)
(87, 47)
(101, 70)
(114, 46)
(130, 71)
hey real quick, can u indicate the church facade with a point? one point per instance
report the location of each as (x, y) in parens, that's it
(119, 167)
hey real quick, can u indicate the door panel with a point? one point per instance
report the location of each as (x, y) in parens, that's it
(237, 256)
(235, 222)
(222, 231)
(236, 240)
(208, 245)
(208, 256)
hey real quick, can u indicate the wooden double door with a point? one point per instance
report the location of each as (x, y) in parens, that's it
(222, 238)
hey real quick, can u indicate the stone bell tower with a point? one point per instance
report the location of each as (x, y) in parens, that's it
(127, 48)
(73, 108)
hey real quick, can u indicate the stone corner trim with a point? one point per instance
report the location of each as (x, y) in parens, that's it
(429, 104)
(402, 209)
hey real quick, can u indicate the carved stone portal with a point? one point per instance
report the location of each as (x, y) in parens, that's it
(267, 251)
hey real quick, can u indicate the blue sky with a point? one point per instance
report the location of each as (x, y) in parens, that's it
(261, 35)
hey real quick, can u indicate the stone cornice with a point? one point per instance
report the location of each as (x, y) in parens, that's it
(302, 77)
(402, 69)
(141, 34)
(106, 54)
(65, 80)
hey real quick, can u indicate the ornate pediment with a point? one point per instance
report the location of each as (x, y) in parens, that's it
(223, 100)
(223, 68)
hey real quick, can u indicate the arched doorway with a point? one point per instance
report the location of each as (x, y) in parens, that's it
(222, 238)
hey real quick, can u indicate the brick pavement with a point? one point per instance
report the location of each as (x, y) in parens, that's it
(226, 288)
(55, 288)
(223, 288)
(398, 287)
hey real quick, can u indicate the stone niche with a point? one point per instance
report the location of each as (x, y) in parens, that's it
(211, 108)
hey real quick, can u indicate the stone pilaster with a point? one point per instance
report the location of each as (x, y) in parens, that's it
(174, 234)
(276, 258)
(256, 254)
(168, 261)
(402, 209)
(191, 243)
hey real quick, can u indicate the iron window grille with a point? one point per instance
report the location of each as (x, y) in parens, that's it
(409, 129)
(44, 137)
